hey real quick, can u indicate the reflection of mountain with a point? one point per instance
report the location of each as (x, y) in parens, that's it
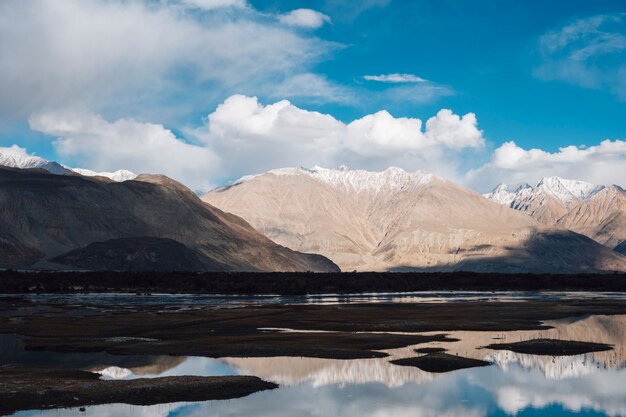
(475, 392)
(319, 372)
(158, 365)
(598, 329)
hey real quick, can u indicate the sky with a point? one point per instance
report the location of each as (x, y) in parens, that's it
(206, 91)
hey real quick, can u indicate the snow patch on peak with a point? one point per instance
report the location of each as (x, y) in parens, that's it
(505, 194)
(361, 180)
(343, 177)
(118, 176)
(17, 157)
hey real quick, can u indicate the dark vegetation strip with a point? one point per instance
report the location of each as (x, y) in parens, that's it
(298, 283)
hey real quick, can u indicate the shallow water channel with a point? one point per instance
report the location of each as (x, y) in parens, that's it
(592, 384)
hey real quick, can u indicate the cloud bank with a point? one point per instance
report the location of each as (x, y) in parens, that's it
(243, 136)
(601, 164)
(92, 53)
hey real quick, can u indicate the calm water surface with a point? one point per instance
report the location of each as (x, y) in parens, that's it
(514, 385)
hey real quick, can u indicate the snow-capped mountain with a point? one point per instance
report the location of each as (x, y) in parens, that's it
(596, 211)
(355, 180)
(118, 176)
(16, 157)
(564, 190)
(398, 220)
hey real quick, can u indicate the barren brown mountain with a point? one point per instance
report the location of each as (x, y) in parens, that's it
(395, 220)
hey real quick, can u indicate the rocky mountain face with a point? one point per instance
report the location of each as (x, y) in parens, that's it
(596, 211)
(56, 221)
(395, 220)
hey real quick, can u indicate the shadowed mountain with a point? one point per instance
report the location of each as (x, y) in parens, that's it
(45, 216)
(136, 254)
(395, 220)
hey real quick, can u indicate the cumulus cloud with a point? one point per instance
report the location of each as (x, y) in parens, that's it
(241, 129)
(89, 140)
(395, 78)
(93, 53)
(589, 52)
(305, 18)
(601, 164)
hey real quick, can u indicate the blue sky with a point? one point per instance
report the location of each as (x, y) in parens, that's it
(110, 84)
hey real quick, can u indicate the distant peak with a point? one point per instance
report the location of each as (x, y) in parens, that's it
(567, 190)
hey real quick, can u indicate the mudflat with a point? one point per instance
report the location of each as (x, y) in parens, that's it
(26, 389)
(551, 347)
(440, 362)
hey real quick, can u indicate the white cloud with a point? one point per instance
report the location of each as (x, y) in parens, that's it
(215, 4)
(589, 52)
(89, 140)
(243, 136)
(601, 164)
(242, 129)
(105, 55)
(305, 18)
(395, 78)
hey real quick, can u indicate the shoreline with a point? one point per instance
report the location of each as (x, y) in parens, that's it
(293, 283)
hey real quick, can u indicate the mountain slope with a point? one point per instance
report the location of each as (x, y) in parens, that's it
(601, 217)
(394, 220)
(44, 216)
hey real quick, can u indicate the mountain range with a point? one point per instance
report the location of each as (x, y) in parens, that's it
(396, 220)
(596, 211)
(61, 218)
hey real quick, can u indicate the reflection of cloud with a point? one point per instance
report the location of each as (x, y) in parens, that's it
(517, 389)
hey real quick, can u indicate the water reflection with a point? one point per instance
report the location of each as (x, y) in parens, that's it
(474, 392)
(590, 384)
(186, 301)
